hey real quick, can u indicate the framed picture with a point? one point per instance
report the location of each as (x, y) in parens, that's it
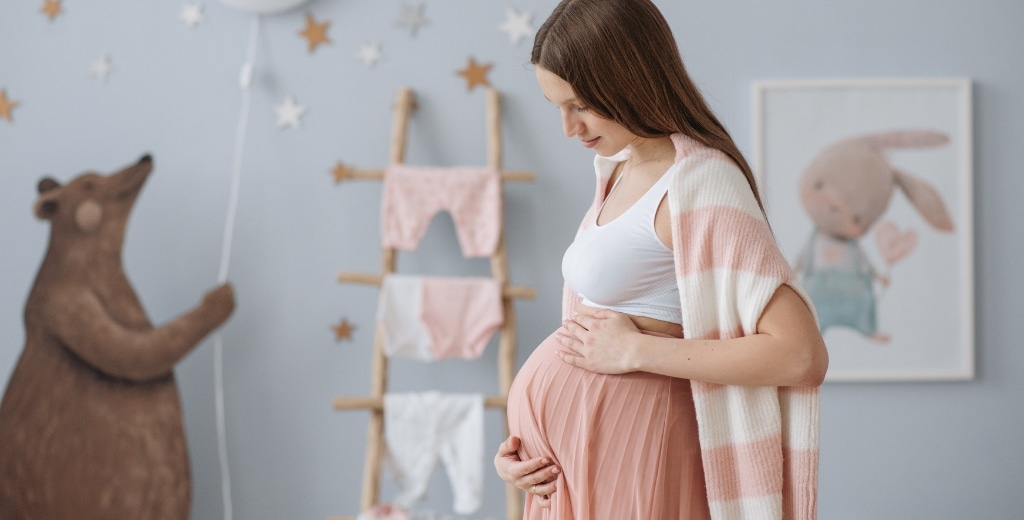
(867, 185)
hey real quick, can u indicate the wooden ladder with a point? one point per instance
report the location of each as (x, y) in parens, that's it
(374, 402)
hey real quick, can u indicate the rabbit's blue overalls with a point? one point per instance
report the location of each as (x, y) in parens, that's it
(841, 296)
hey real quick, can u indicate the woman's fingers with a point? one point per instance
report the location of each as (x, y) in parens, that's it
(569, 342)
(534, 472)
(541, 482)
(536, 476)
(548, 484)
(574, 326)
(543, 491)
(529, 467)
(509, 447)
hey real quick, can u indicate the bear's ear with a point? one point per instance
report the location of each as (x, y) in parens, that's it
(47, 184)
(46, 206)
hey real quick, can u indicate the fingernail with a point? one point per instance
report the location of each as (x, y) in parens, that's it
(545, 461)
(554, 471)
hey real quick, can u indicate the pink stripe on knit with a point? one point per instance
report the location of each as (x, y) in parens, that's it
(731, 334)
(744, 470)
(687, 146)
(714, 237)
(702, 388)
(800, 502)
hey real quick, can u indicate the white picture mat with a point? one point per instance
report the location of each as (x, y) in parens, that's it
(928, 308)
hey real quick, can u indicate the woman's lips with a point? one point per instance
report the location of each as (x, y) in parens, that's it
(591, 143)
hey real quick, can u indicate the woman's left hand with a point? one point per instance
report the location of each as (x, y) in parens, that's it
(599, 342)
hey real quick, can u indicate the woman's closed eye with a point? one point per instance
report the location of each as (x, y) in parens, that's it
(575, 108)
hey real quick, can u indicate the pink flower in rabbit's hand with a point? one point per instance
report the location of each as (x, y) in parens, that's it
(894, 244)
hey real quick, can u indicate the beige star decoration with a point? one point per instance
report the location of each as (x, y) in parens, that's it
(475, 74)
(6, 106)
(315, 33)
(52, 8)
(341, 172)
(343, 330)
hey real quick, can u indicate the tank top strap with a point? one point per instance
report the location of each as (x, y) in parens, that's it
(652, 199)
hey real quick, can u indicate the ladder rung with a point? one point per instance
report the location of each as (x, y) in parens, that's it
(510, 291)
(377, 403)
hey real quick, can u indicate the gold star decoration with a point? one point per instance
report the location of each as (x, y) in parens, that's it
(52, 8)
(341, 172)
(6, 106)
(315, 33)
(343, 330)
(475, 74)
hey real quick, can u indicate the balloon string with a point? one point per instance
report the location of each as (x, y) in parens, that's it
(236, 175)
(229, 229)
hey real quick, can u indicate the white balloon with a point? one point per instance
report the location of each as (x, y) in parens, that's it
(264, 6)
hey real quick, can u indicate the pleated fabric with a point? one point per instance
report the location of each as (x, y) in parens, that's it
(627, 444)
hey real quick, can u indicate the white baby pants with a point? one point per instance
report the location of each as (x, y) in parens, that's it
(422, 429)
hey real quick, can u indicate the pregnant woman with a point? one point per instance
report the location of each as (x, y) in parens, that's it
(683, 382)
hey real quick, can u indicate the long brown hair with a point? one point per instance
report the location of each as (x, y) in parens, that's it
(621, 60)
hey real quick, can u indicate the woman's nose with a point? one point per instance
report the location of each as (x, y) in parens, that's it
(570, 124)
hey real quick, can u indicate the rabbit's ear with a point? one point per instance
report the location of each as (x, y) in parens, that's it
(909, 139)
(926, 199)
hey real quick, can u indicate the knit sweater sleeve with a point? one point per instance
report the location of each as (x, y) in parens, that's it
(758, 444)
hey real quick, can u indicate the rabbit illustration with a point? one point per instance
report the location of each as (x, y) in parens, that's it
(844, 190)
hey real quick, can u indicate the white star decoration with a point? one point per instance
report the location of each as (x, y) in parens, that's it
(101, 68)
(289, 113)
(516, 25)
(369, 53)
(192, 14)
(411, 18)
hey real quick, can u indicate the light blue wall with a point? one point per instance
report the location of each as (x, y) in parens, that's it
(889, 451)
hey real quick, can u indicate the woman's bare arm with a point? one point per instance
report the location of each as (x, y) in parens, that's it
(786, 350)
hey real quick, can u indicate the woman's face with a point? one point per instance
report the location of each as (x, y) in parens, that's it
(604, 136)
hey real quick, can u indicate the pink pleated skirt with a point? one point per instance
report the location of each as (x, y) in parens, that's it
(627, 444)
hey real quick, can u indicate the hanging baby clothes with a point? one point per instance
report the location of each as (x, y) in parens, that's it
(430, 318)
(413, 195)
(422, 429)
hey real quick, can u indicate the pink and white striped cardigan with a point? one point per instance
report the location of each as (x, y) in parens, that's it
(759, 444)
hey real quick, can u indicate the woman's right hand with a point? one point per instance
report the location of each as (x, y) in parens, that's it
(535, 476)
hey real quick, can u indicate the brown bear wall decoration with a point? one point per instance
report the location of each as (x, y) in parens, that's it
(91, 423)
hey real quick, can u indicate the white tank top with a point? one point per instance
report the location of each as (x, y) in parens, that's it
(623, 265)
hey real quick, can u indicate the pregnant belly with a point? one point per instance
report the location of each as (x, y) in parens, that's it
(622, 439)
